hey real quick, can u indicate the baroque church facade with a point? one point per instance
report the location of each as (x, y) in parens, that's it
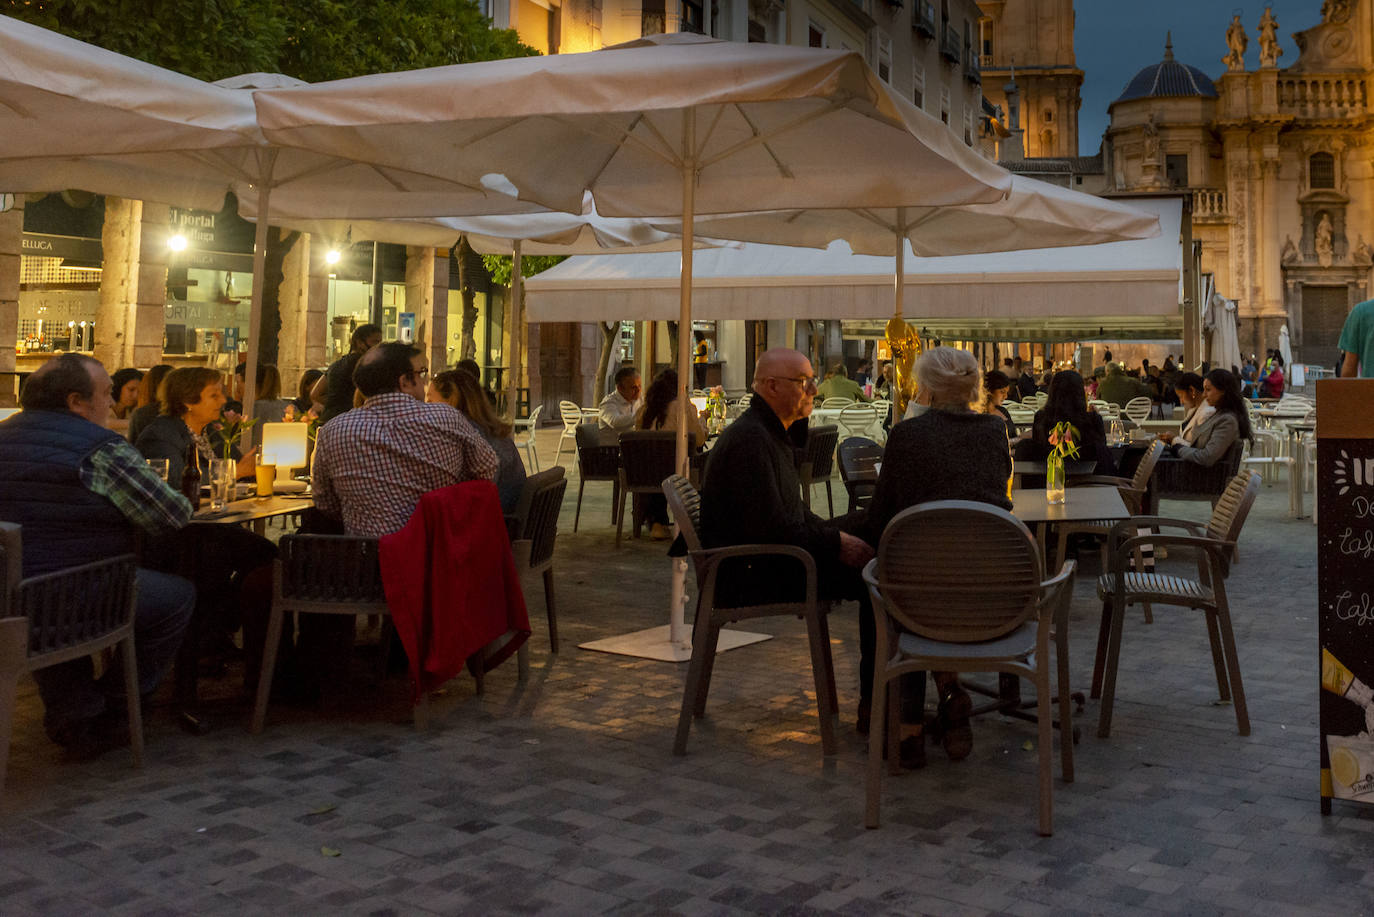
(1279, 165)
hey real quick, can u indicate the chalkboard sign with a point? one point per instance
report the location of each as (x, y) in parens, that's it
(1345, 592)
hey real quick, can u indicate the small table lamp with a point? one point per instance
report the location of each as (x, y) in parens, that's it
(284, 445)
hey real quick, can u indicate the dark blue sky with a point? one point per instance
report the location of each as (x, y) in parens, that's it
(1114, 39)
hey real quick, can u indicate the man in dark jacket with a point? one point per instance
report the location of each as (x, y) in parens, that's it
(751, 494)
(81, 492)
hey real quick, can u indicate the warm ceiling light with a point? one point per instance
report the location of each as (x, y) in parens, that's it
(332, 256)
(177, 243)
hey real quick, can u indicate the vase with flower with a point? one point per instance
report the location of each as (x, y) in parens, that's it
(1063, 446)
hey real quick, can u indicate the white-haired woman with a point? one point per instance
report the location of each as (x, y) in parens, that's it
(949, 452)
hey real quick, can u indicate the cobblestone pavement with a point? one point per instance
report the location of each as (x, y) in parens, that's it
(560, 794)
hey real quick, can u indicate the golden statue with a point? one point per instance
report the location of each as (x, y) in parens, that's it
(905, 345)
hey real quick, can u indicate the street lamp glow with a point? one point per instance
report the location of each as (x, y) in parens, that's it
(332, 256)
(177, 243)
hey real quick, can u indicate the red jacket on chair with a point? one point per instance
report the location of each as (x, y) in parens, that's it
(451, 584)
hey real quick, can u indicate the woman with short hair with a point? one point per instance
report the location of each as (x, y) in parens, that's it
(949, 452)
(124, 384)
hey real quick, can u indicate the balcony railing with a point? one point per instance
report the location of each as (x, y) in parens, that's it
(1210, 204)
(972, 73)
(949, 44)
(923, 19)
(1323, 97)
(985, 60)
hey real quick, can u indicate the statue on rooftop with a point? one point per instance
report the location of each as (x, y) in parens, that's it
(1269, 39)
(1236, 42)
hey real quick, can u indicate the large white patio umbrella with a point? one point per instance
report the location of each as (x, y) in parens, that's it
(674, 126)
(668, 126)
(73, 115)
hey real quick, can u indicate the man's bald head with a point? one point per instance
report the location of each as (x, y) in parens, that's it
(380, 370)
(784, 379)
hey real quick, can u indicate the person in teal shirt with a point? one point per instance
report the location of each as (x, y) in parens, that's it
(1357, 341)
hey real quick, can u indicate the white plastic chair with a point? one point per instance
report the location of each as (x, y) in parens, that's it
(571, 414)
(1039, 398)
(829, 403)
(529, 425)
(858, 420)
(1138, 409)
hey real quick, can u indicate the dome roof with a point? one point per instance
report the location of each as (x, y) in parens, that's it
(1168, 78)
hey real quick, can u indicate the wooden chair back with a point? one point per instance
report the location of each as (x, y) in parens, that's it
(959, 571)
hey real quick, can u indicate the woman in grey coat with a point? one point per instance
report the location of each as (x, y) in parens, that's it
(1214, 436)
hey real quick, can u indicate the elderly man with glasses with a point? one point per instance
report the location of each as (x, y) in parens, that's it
(372, 464)
(751, 494)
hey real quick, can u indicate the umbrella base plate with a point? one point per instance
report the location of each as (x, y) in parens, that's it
(654, 643)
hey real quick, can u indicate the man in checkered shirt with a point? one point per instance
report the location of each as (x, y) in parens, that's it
(373, 463)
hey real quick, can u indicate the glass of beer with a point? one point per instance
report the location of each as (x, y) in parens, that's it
(160, 467)
(266, 474)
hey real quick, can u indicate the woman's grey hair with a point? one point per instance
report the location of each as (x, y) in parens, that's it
(949, 375)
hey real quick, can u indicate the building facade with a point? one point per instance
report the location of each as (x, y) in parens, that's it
(1032, 41)
(1278, 160)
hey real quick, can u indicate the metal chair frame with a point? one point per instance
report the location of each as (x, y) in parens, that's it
(684, 503)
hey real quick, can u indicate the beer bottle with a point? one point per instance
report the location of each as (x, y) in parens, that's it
(190, 477)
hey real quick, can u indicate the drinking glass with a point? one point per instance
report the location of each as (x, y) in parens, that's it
(266, 473)
(160, 467)
(221, 482)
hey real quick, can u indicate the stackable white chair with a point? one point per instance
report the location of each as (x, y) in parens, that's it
(572, 415)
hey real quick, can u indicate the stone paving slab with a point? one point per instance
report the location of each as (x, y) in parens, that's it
(560, 795)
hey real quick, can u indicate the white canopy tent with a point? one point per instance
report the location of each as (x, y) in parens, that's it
(1113, 289)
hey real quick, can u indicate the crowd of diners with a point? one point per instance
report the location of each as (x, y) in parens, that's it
(81, 472)
(387, 434)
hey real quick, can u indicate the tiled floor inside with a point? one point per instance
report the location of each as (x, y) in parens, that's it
(560, 794)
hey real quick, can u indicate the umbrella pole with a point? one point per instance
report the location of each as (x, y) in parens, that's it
(250, 374)
(517, 293)
(673, 642)
(677, 630)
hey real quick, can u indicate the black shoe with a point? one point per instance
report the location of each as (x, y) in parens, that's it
(88, 739)
(913, 752)
(862, 717)
(953, 724)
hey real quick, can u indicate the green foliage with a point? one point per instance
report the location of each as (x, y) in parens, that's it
(313, 40)
(206, 39)
(330, 39)
(499, 266)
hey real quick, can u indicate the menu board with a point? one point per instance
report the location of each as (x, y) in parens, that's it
(1345, 591)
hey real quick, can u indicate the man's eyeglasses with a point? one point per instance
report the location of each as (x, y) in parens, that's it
(419, 373)
(803, 381)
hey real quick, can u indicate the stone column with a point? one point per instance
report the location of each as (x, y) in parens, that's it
(148, 318)
(1269, 269)
(120, 240)
(427, 297)
(293, 305)
(11, 246)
